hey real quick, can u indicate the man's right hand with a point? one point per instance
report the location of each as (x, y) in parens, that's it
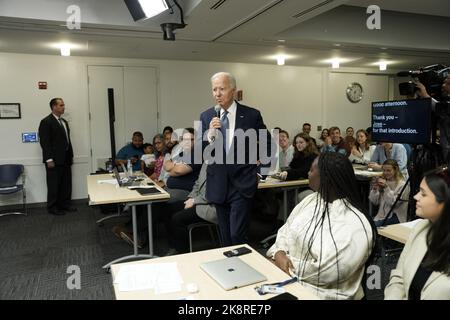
(50, 164)
(283, 262)
(214, 124)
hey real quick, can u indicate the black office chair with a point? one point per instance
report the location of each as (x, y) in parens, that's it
(9, 176)
(211, 227)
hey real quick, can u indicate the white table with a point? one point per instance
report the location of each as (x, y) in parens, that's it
(189, 268)
(107, 193)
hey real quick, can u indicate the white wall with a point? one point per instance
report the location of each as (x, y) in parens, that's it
(287, 96)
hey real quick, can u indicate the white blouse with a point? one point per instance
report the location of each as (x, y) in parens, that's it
(366, 155)
(351, 237)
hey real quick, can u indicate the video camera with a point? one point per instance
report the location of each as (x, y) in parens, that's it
(432, 77)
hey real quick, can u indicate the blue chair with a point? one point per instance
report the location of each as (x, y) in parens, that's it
(9, 176)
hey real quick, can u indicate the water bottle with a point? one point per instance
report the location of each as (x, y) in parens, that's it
(130, 168)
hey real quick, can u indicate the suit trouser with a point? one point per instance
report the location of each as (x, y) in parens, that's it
(180, 222)
(234, 218)
(59, 186)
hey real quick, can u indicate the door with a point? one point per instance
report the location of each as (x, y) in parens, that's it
(136, 108)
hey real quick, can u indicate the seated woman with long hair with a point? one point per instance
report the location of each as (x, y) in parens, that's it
(304, 155)
(362, 150)
(384, 192)
(328, 238)
(423, 270)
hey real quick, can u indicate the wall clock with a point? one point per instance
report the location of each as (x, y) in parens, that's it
(354, 92)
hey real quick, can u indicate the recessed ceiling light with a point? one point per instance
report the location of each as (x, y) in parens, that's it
(281, 60)
(335, 63)
(65, 49)
(382, 65)
(281, 40)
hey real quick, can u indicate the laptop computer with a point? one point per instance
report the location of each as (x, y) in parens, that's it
(125, 182)
(232, 273)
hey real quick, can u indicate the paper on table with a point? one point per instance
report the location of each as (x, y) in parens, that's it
(162, 277)
(110, 181)
(411, 224)
(169, 279)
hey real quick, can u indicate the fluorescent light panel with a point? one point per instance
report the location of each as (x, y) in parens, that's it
(65, 50)
(335, 64)
(152, 8)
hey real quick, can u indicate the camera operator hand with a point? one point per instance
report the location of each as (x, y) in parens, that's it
(421, 90)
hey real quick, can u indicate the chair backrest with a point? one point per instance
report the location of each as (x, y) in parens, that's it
(9, 173)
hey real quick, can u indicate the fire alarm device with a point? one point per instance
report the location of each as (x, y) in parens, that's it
(42, 85)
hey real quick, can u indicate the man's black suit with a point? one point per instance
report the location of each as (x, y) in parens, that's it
(231, 187)
(56, 145)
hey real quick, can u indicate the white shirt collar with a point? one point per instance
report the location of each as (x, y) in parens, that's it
(231, 110)
(57, 118)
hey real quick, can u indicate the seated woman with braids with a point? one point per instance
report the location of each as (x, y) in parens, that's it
(328, 238)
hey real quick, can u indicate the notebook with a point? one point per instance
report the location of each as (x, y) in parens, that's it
(232, 273)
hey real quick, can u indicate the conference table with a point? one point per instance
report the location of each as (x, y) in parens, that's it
(102, 190)
(188, 266)
(399, 232)
(285, 186)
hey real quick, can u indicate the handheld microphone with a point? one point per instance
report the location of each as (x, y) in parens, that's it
(217, 110)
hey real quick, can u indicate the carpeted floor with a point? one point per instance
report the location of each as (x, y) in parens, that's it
(36, 251)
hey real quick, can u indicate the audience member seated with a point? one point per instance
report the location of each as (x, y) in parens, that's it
(286, 152)
(349, 132)
(423, 270)
(362, 151)
(321, 140)
(306, 129)
(384, 192)
(132, 151)
(327, 239)
(349, 138)
(196, 209)
(147, 159)
(387, 150)
(170, 140)
(167, 129)
(335, 143)
(160, 150)
(305, 153)
(369, 136)
(182, 169)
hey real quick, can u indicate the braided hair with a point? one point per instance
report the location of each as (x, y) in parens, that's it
(337, 181)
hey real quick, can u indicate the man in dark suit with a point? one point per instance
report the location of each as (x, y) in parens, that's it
(232, 174)
(57, 153)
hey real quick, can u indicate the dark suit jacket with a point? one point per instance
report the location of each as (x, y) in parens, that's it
(53, 141)
(221, 177)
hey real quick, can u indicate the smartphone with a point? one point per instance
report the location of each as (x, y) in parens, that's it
(237, 252)
(284, 296)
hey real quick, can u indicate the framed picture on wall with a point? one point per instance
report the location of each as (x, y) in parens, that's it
(10, 111)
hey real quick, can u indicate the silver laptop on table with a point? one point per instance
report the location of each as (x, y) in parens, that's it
(232, 273)
(126, 182)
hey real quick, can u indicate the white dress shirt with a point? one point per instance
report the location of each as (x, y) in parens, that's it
(232, 122)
